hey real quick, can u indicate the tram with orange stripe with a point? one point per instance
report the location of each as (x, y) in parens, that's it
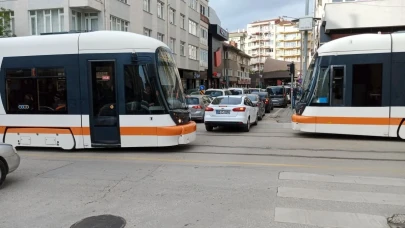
(87, 90)
(355, 86)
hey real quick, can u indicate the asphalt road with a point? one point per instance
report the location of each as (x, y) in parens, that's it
(268, 177)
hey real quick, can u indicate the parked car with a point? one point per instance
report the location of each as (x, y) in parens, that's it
(217, 92)
(9, 161)
(239, 91)
(268, 104)
(259, 103)
(278, 95)
(237, 110)
(197, 105)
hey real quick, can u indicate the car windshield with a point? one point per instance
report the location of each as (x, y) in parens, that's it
(192, 101)
(227, 101)
(254, 90)
(262, 96)
(214, 93)
(276, 90)
(252, 97)
(170, 80)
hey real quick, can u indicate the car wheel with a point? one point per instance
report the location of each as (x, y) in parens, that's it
(209, 128)
(246, 128)
(259, 117)
(3, 172)
(272, 107)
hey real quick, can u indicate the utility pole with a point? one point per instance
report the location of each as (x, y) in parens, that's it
(304, 68)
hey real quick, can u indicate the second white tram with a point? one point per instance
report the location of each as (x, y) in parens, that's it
(96, 89)
(355, 85)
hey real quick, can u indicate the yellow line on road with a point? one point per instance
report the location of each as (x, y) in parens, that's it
(50, 156)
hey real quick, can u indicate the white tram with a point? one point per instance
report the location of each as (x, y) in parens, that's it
(86, 90)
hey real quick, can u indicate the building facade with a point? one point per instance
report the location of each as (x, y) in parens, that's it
(216, 36)
(175, 22)
(236, 66)
(204, 26)
(240, 38)
(260, 43)
(289, 42)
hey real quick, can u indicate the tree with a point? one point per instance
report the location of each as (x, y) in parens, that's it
(5, 23)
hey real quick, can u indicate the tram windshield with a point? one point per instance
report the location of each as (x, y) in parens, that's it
(170, 80)
(309, 78)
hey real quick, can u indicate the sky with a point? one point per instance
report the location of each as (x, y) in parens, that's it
(236, 14)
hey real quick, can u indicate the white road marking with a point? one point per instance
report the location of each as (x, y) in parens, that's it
(343, 179)
(329, 219)
(342, 196)
(273, 115)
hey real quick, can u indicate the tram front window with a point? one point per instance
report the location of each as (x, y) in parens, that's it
(172, 88)
(309, 79)
(170, 80)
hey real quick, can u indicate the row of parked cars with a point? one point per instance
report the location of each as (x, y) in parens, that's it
(234, 106)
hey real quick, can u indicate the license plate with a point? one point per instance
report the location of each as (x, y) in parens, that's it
(223, 111)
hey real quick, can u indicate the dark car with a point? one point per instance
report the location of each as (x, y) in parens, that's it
(259, 103)
(265, 98)
(278, 95)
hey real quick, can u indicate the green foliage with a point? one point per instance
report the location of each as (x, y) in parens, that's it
(5, 23)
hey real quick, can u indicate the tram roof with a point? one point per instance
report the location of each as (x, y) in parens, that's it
(364, 44)
(71, 43)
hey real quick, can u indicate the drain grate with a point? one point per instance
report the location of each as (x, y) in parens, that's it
(101, 221)
(396, 221)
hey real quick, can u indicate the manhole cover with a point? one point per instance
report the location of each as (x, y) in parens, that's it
(396, 221)
(101, 221)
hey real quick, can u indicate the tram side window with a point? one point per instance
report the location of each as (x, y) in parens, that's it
(36, 91)
(337, 85)
(367, 85)
(141, 96)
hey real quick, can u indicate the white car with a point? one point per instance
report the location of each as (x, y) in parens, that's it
(238, 91)
(237, 110)
(9, 161)
(217, 92)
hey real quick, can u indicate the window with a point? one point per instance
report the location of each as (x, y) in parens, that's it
(172, 16)
(7, 22)
(146, 5)
(147, 32)
(36, 90)
(76, 21)
(172, 44)
(182, 21)
(193, 4)
(192, 27)
(338, 73)
(203, 58)
(367, 85)
(202, 10)
(46, 21)
(204, 36)
(118, 24)
(182, 48)
(192, 52)
(160, 36)
(91, 21)
(140, 92)
(160, 9)
(321, 93)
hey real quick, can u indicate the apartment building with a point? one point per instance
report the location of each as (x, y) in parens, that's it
(175, 22)
(240, 38)
(204, 26)
(236, 66)
(260, 43)
(289, 42)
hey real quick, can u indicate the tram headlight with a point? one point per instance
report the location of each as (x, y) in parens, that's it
(180, 116)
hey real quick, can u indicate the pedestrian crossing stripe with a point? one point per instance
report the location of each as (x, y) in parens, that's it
(339, 218)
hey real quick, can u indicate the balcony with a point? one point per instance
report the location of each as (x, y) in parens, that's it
(87, 5)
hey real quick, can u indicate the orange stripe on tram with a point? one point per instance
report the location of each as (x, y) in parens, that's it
(127, 131)
(345, 120)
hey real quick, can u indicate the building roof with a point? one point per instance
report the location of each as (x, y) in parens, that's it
(273, 65)
(240, 52)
